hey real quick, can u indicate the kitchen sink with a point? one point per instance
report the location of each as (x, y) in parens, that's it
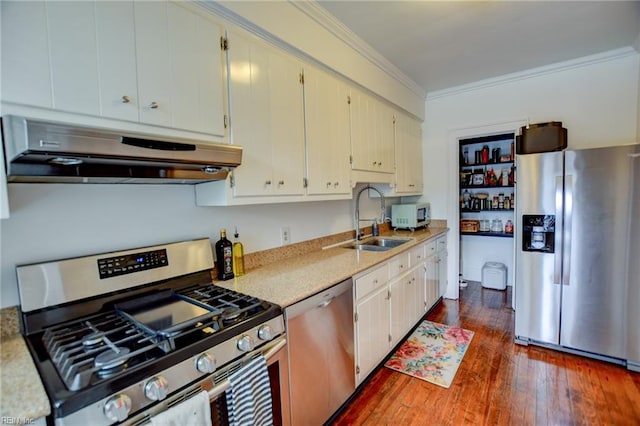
(378, 243)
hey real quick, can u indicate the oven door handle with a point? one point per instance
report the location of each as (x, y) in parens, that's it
(223, 386)
(275, 348)
(218, 390)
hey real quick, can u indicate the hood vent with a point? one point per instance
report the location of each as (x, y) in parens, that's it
(39, 151)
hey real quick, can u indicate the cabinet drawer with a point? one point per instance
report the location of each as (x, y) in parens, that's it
(399, 265)
(371, 281)
(430, 248)
(417, 255)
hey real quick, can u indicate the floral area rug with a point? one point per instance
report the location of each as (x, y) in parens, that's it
(433, 353)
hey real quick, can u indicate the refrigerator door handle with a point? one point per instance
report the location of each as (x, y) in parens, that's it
(557, 258)
(566, 230)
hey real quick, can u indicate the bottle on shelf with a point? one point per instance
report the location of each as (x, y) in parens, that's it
(238, 255)
(485, 154)
(224, 256)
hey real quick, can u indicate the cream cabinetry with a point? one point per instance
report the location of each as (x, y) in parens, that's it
(389, 300)
(26, 68)
(372, 324)
(408, 155)
(293, 124)
(442, 259)
(157, 63)
(267, 118)
(431, 275)
(327, 133)
(372, 134)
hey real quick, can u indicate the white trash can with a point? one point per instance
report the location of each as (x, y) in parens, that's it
(494, 275)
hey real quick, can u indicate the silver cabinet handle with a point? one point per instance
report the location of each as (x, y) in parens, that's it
(126, 99)
(337, 184)
(328, 184)
(281, 182)
(268, 182)
(153, 105)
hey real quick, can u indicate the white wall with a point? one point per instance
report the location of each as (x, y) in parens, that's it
(596, 99)
(56, 221)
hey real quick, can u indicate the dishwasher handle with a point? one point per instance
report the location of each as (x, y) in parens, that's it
(319, 300)
(325, 303)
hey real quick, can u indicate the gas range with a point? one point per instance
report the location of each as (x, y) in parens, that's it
(116, 336)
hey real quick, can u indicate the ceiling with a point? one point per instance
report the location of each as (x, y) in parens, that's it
(444, 44)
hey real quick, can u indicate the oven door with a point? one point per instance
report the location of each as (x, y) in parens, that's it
(278, 368)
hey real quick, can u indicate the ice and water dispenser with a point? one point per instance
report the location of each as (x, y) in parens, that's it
(538, 233)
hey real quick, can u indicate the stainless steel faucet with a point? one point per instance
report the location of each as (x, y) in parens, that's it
(356, 217)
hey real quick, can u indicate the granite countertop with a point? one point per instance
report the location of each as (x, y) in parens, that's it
(289, 281)
(22, 395)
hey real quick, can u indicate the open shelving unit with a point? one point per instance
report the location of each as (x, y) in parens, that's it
(487, 169)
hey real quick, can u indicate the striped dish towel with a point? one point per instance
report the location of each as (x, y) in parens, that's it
(249, 396)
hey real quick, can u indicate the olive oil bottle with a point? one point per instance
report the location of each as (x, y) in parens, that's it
(224, 256)
(238, 255)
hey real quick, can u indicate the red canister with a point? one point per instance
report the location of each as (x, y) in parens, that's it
(485, 154)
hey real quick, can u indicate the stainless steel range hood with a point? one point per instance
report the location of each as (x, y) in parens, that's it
(40, 151)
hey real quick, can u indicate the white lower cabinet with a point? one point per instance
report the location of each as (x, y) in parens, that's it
(390, 299)
(442, 259)
(372, 331)
(431, 274)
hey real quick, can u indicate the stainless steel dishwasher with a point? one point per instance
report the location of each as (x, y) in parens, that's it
(321, 354)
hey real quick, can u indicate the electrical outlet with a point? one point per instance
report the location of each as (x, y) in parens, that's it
(285, 235)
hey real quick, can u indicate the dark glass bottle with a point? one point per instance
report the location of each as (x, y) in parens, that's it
(224, 256)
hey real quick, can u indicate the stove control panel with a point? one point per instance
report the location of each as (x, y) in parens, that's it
(131, 263)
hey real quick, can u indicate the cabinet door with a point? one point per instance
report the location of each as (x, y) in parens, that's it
(115, 39)
(267, 119)
(372, 332)
(197, 96)
(408, 154)
(26, 77)
(372, 134)
(431, 293)
(442, 272)
(400, 290)
(74, 57)
(154, 62)
(327, 133)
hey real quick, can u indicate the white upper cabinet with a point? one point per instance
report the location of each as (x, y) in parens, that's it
(26, 77)
(74, 56)
(267, 119)
(327, 133)
(408, 155)
(157, 63)
(116, 60)
(179, 68)
(372, 134)
(154, 63)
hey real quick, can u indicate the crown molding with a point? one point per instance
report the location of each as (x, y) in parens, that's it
(535, 72)
(316, 12)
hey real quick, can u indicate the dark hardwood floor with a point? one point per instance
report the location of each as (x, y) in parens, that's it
(499, 382)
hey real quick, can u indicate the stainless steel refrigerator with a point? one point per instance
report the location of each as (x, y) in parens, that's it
(578, 252)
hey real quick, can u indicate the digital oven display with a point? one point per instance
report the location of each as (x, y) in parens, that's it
(120, 265)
